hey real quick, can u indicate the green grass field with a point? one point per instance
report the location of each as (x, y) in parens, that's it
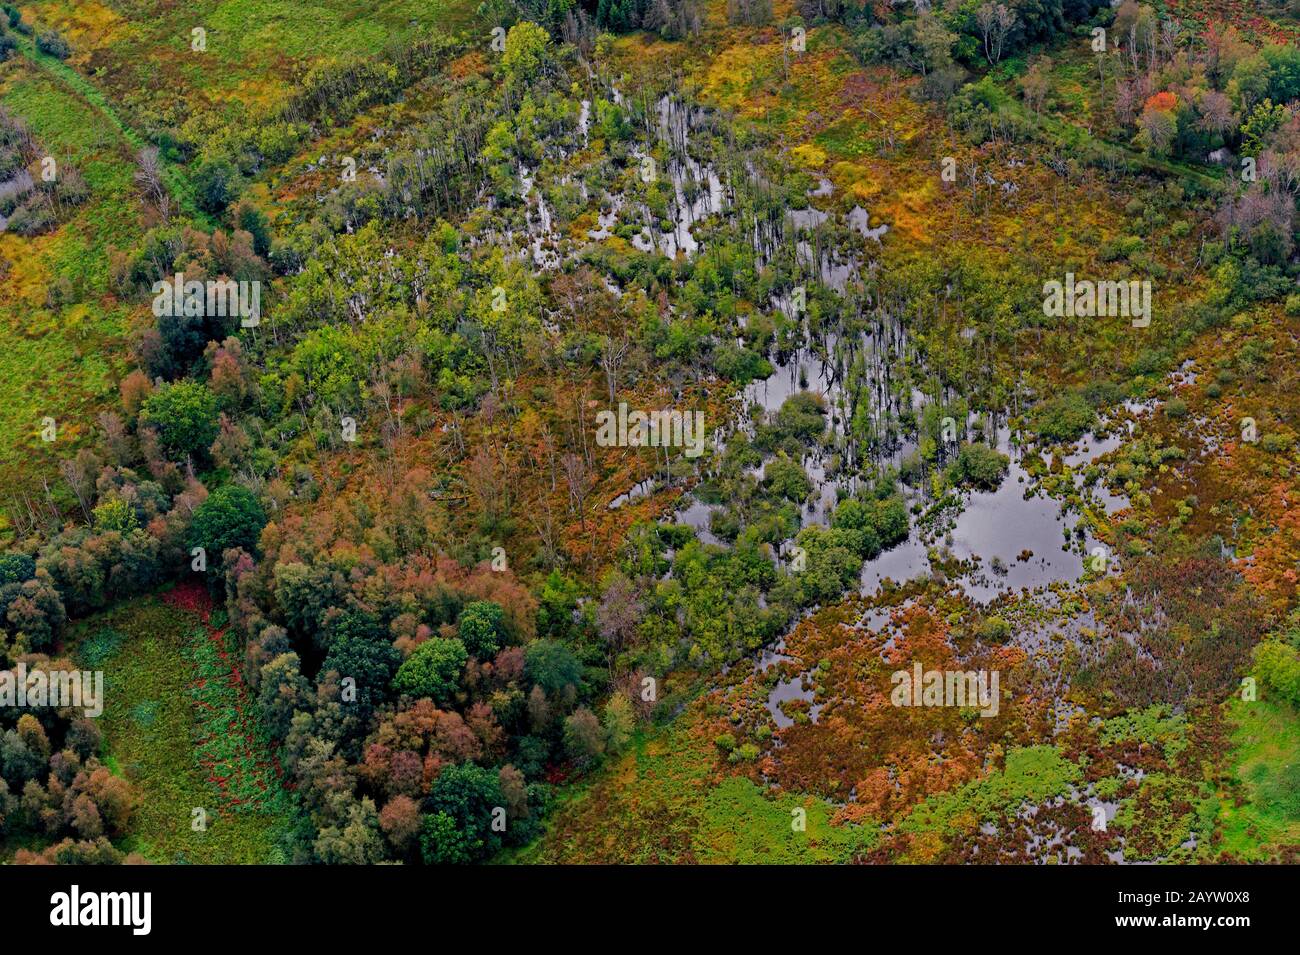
(155, 735)
(661, 802)
(1267, 765)
(62, 337)
(142, 50)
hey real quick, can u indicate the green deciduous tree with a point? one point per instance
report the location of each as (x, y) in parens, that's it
(433, 670)
(525, 51)
(184, 414)
(464, 800)
(552, 666)
(232, 516)
(481, 628)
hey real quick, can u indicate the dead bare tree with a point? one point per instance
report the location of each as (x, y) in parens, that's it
(612, 355)
(149, 177)
(543, 520)
(578, 476)
(20, 519)
(79, 474)
(995, 21)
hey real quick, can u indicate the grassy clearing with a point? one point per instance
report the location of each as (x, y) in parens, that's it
(666, 801)
(230, 747)
(254, 47)
(649, 802)
(61, 335)
(93, 97)
(1266, 753)
(152, 722)
(742, 825)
